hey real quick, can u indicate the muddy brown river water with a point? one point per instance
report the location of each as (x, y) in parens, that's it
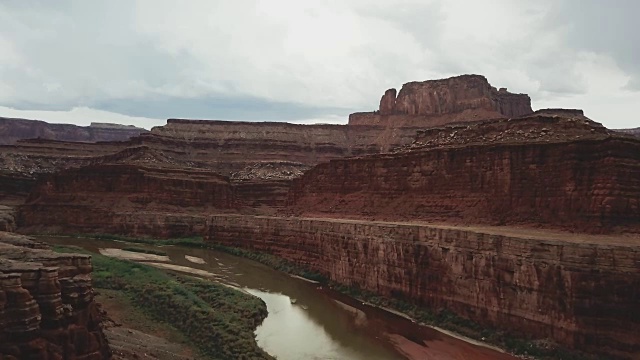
(307, 321)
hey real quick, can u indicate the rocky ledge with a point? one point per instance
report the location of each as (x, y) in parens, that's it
(47, 309)
(562, 171)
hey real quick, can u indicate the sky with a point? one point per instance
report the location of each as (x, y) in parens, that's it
(141, 62)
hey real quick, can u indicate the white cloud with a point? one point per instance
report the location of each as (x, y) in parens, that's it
(605, 99)
(121, 56)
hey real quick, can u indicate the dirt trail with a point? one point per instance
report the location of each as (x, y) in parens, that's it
(524, 232)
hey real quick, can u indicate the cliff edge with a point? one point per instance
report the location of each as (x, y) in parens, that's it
(47, 309)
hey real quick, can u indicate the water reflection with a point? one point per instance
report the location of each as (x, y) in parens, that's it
(307, 322)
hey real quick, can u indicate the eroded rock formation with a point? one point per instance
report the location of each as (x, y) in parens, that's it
(266, 154)
(439, 102)
(545, 170)
(230, 146)
(577, 290)
(47, 309)
(127, 198)
(12, 130)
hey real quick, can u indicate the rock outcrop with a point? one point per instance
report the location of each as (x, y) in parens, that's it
(635, 132)
(231, 146)
(543, 170)
(248, 153)
(543, 126)
(7, 219)
(12, 130)
(457, 94)
(126, 198)
(388, 102)
(575, 289)
(47, 309)
(439, 102)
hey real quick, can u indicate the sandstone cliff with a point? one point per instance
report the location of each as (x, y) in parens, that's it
(439, 102)
(235, 149)
(47, 309)
(232, 146)
(543, 126)
(259, 158)
(126, 198)
(553, 171)
(12, 130)
(577, 290)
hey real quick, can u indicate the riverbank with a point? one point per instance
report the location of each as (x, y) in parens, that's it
(218, 321)
(134, 335)
(440, 320)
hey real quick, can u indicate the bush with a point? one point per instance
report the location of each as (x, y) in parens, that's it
(217, 319)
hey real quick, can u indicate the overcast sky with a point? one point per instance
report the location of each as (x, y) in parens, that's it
(140, 62)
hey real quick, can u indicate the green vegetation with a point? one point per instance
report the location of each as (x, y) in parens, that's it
(120, 308)
(272, 261)
(443, 319)
(220, 321)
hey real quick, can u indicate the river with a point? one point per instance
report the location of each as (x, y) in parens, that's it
(307, 321)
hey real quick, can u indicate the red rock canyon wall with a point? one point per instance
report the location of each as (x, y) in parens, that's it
(589, 185)
(581, 294)
(47, 309)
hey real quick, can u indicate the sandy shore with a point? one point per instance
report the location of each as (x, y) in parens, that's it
(195, 260)
(132, 255)
(444, 350)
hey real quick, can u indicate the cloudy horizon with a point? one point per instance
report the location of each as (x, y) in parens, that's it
(141, 62)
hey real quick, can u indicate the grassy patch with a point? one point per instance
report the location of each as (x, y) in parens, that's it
(218, 320)
(120, 308)
(272, 261)
(443, 319)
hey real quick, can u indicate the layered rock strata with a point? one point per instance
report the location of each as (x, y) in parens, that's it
(439, 102)
(543, 126)
(577, 290)
(232, 146)
(47, 309)
(12, 130)
(124, 198)
(543, 170)
(265, 154)
(279, 151)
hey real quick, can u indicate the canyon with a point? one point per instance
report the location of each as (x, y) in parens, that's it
(47, 310)
(578, 290)
(452, 195)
